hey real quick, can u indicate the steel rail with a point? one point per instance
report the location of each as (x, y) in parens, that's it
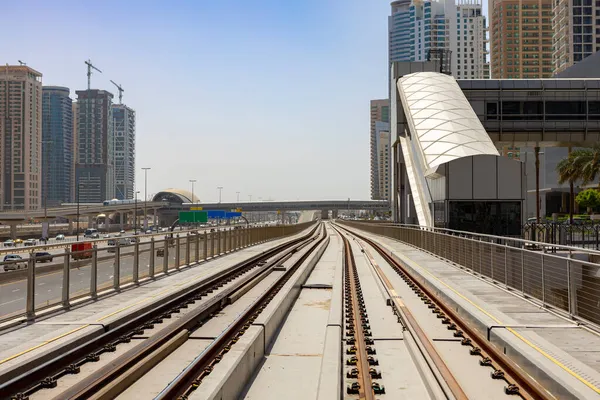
(526, 386)
(365, 389)
(191, 377)
(30, 377)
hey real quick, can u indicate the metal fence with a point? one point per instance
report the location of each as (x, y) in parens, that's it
(565, 278)
(35, 282)
(585, 234)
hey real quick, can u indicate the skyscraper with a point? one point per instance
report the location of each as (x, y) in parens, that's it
(57, 146)
(380, 112)
(422, 30)
(576, 26)
(20, 137)
(124, 132)
(521, 39)
(95, 146)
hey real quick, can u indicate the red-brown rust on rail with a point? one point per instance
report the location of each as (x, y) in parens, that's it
(364, 377)
(530, 389)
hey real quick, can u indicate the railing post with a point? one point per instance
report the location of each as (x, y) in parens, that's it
(543, 277)
(177, 252)
(136, 262)
(66, 276)
(117, 267)
(492, 249)
(152, 255)
(522, 271)
(505, 264)
(212, 244)
(197, 248)
(166, 256)
(187, 249)
(94, 273)
(30, 305)
(572, 287)
(218, 242)
(205, 245)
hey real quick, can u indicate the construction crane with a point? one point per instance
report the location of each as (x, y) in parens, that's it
(120, 89)
(21, 62)
(90, 66)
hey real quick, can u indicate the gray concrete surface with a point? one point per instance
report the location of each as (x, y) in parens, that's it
(562, 359)
(27, 343)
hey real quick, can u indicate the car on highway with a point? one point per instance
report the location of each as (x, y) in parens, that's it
(60, 237)
(112, 243)
(107, 236)
(14, 265)
(43, 256)
(149, 232)
(9, 243)
(18, 242)
(30, 242)
(91, 233)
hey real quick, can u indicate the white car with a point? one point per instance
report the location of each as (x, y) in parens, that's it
(9, 243)
(13, 266)
(30, 242)
(60, 237)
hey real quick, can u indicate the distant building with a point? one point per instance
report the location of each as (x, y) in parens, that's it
(380, 112)
(57, 146)
(382, 133)
(124, 132)
(423, 30)
(75, 151)
(521, 39)
(21, 138)
(95, 146)
(576, 25)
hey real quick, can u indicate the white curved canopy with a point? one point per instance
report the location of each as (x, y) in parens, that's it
(441, 119)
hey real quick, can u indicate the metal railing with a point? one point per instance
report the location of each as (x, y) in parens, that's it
(36, 282)
(584, 234)
(565, 278)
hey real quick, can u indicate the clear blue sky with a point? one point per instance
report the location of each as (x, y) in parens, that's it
(265, 97)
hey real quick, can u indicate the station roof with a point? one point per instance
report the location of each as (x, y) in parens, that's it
(175, 195)
(441, 120)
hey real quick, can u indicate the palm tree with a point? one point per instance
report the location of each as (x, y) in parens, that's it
(580, 165)
(588, 161)
(569, 170)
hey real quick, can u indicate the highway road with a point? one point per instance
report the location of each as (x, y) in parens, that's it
(49, 286)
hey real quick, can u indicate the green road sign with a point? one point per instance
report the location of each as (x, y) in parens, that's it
(188, 217)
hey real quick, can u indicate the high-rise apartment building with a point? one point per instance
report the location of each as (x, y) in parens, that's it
(57, 146)
(521, 39)
(418, 29)
(74, 158)
(380, 112)
(382, 130)
(20, 138)
(124, 133)
(576, 25)
(94, 173)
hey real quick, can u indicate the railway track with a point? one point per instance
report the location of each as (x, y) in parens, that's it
(168, 326)
(450, 383)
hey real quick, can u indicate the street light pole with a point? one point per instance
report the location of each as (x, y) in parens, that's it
(146, 197)
(135, 213)
(220, 190)
(77, 221)
(192, 182)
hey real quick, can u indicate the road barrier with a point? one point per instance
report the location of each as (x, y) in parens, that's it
(146, 260)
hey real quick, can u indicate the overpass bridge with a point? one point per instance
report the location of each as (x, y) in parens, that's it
(165, 210)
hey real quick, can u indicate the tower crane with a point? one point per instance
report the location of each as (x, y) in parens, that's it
(120, 89)
(90, 66)
(22, 63)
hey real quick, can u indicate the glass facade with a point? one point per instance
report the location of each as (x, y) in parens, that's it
(57, 146)
(502, 218)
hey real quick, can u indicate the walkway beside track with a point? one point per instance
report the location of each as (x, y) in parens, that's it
(29, 342)
(308, 343)
(562, 355)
